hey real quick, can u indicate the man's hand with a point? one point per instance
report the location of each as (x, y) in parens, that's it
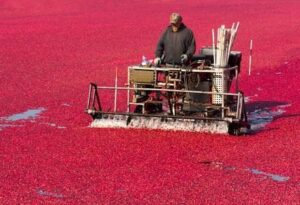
(157, 61)
(184, 58)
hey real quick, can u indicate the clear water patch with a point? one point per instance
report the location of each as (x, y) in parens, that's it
(260, 117)
(49, 194)
(221, 166)
(27, 115)
(274, 177)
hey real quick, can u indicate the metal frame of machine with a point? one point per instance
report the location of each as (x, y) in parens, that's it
(166, 101)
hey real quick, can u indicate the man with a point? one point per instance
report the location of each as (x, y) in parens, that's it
(177, 44)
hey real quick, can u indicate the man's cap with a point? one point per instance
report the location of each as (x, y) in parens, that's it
(175, 18)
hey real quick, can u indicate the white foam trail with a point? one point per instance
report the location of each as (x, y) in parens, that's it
(158, 123)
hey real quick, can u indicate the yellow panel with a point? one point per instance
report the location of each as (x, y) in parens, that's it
(142, 76)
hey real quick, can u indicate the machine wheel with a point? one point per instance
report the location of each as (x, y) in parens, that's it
(237, 129)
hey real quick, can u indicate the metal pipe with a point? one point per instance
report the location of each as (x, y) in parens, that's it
(128, 91)
(167, 90)
(116, 90)
(236, 81)
(213, 41)
(223, 96)
(237, 107)
(211, 70)
(241, 106)
(250, 57)
(89, 98)
(93, 96)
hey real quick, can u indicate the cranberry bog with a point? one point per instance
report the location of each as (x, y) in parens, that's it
(52, 50)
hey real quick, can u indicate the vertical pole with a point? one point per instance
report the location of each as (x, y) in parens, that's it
(213, 42)
(237, 81)
(116, 90)
(238, 107)
(128, 91)
(250, 57)
(89, 98)
(223, 91)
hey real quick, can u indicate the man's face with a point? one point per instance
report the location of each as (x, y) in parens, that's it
(175, 20)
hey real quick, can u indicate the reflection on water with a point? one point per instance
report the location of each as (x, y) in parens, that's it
(259, 118)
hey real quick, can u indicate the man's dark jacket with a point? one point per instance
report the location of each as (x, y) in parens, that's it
(174, 44)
